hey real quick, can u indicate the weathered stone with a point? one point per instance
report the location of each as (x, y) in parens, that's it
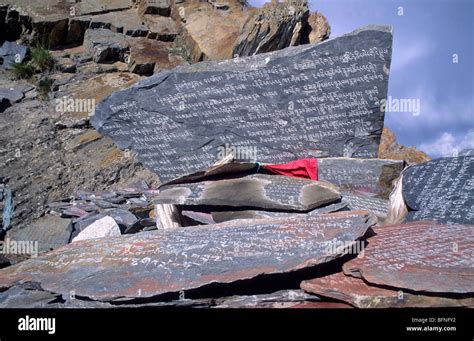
(318, 28)
(441, 190)
(144, 224)
(73, 212)
(54, 22)
(275, 26)
(356, 201)
(105, 45)
(8, 97)
(18, 297)
(124, 218)
(66, 65)
(361, 295)
(81, 223)
(208, 33)
(277, 119)
(131, 24)
(258, 190)
(164, 261)
(390, 149)
(419, 256)
(104, 227)
(148, 55)
(160, 7)
(279, 299)
(227, 214)
(50, 232)
(366, 176)
(11, 52)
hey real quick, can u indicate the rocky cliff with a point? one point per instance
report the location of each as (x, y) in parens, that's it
(390, 149)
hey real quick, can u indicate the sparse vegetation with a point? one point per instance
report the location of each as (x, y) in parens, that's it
(179, 49)
(22, 70)
(44, 87)
(41, 58)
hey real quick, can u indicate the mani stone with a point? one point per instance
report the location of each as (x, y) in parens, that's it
(315, 100)
(379, 207)
(226, 214)
(369, 176)
(104, 227)
(49, 231)
(361, 295)
(168, 261)
(419, 256)
(258, 190)
(440, 190)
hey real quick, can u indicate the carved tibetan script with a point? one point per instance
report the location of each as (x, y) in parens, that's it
(307, 101)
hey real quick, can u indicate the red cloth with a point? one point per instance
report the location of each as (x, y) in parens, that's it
(304, 168)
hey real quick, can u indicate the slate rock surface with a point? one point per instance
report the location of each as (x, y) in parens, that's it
(441, 190)
(11, 52)
(101, 228)
(366, 176)
(258, 190)
(419, 256)
(361, 295)
(173, 260)
(49, 231)
(314, 100)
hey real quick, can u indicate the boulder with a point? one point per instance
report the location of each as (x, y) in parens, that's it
(275, 26)
(101, 228)
(185, 120)
(105, 45)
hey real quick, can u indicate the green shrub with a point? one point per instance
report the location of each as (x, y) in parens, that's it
(44, 87)
(22, 70)
(179, 49)
(41, 58)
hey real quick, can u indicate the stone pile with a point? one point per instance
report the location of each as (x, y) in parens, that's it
(220, 229)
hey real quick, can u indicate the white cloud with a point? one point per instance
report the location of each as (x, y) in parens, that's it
(410, 52)
(448, 145)
(453, 114)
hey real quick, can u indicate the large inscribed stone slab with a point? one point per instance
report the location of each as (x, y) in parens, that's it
(315, 100)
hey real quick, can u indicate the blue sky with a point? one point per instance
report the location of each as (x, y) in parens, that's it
(426, 37)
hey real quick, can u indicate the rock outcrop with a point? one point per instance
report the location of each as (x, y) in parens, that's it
(275, 26)
(390, 149)
(318, 28)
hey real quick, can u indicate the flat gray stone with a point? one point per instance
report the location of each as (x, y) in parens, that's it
(11, 52)
(104, 227)
(365, 176)
(105, 45)
(440, 190)
(227, 214)
(152, 263)
(17, 297)
(316, 100)
(258, 190)
(49, 231)
(356, 201)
